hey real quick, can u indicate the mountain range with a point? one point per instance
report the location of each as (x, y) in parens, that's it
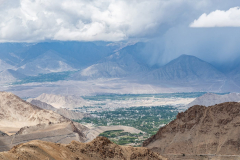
(46, 63)
(92, 61)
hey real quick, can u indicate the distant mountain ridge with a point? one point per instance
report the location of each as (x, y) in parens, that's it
(79, 54)
(186, 68)
(118, 65)
(102, 60)
(59, 101)
(210, 99)
(73, 115)
(5, 66)
(48, 62)
(10, 75)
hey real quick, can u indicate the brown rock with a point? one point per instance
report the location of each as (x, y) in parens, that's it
(200, 130)
(99, 149)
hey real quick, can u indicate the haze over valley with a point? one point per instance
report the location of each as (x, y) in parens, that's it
(119, 79)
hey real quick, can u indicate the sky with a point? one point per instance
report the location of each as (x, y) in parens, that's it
(208, 29)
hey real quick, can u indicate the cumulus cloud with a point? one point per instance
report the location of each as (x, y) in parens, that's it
(90, 20)
(219, 18)
(86, 20)
(94, 20)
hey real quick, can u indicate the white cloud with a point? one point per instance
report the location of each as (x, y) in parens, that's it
(92, 20)
(219, 18)
(87, 20)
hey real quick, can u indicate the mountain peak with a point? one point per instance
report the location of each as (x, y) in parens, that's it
(187, 58)
(186, 68)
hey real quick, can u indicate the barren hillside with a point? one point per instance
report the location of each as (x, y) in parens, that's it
(2, 134)
(25, 122)
(59, 101)
(62, 111)
(99, 149)
(17, 113)
(200, 131)
(210, 99)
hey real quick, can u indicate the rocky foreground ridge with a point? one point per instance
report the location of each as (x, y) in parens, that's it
(21, 122)
(15, 112)
(200, 131)
(99, 149)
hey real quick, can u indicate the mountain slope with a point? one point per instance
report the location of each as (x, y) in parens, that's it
(78, 54)
(2, 134)
(24, 122)
(118, 65)
(235, 75)
(46, 63)
(10, 75)
(41, 104)
(15, 112)
(62, 111)
(209, 99)
(200, 131)
(5, 66)
(99, 149)
(59, 101)
(186, 69)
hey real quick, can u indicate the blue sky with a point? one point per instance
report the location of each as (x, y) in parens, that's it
(208, 29)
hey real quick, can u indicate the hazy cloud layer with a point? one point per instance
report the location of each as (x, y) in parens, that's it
(219, 18)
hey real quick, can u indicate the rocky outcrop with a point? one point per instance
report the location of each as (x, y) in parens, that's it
(99, 149)
(199, 131)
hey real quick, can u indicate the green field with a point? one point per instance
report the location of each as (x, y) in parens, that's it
(147, 119)
(124, 138)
